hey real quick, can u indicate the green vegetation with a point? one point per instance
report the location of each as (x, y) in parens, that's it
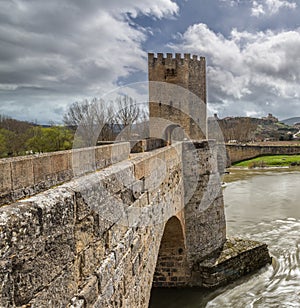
(96, 120)
(21, 137)
(49, 139)
(270, 161)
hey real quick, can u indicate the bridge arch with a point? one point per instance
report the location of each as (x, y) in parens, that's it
(171, 266)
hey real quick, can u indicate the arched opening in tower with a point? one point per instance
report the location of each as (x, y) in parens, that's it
(174, 132)
(171, 267)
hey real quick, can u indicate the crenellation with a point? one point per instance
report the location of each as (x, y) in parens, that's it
(187, 56)
(150, 57)
(160, 57)
(177, 58)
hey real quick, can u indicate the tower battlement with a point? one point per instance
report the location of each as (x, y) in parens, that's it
(176, 104)
(171, 59)
(184, 70)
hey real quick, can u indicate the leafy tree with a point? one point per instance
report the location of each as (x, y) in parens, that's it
(11, 142)
(3, 146)
(16, 133)
(48, 139)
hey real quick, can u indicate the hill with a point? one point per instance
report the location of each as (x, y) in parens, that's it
(246, 129)
(291, 121)
(21, 137)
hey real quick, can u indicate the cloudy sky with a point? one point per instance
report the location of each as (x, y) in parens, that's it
(53, 53)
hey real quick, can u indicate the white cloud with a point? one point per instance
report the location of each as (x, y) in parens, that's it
(275, 5)
(157, 8)
(8, 87)
(248, 67)
(263, 7)
(257, 9)
(270, 7)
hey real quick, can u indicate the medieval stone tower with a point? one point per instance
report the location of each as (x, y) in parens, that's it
(177, 95)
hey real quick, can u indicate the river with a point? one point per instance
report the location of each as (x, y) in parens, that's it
(263, 205)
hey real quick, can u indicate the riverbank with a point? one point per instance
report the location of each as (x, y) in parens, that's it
(270, 161)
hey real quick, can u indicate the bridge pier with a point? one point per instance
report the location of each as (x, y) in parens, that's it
(194, 251)
(205, 224)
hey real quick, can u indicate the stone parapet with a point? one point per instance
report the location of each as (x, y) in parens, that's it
(91, 242)
(238, 153)
(25, 176)
(146, 145)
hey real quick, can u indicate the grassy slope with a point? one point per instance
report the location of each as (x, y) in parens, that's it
(276, 160)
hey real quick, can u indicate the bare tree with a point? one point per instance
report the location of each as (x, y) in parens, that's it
(127, 113)
(91, 119)
(97, 120)
(143, 124)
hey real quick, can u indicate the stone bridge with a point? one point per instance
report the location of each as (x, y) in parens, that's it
(236, 152)
(101, 226)
(125, 223)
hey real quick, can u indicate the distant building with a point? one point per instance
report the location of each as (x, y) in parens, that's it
(270, 118)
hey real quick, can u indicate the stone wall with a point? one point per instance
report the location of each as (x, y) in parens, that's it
(93, 241)
(238, 153)
(187, 72)
(203, 223)
(146, 145)
(27, 175)
(237, 258)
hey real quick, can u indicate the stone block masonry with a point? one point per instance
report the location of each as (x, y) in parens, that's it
(204, 210)
(187, 72)
(102, 239)
(27, 175)
(172, 269)
(83, 242)
(237, 258)
(238, 153)
(177, 94)
(146, 145)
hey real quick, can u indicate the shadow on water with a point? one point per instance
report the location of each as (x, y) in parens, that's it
(185, 297)
(195, 297)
